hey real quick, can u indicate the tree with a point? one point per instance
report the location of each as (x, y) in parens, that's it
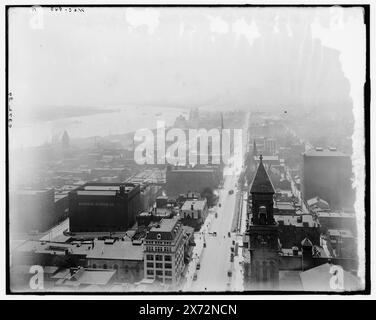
(209, 195)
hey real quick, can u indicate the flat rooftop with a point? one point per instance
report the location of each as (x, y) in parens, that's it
(325, 214)
(118, 250)
(340, 233)
(284, 205)
(56, 248)
(293, 220)
(323, 153)
(192, 170)
(166, 225)
(105, 189)
(266, 158)
(197, 205)
(96, 193)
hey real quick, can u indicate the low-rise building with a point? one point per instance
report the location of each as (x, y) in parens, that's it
(343, 242)
(284, 207)
(337, 220)
(292, 229)
(194, 213)
(317, 203)
(195, 209)
(83, 279)
(123, 256)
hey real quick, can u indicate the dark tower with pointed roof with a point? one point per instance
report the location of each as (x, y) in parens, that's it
(263, 234)
(262, 192)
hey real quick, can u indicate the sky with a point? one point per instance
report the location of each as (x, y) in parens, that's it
(179, 57)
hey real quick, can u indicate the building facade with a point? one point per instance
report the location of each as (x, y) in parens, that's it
(180, 180)
(327, 174)
(104, 207)
(32, 210)
(164, 252)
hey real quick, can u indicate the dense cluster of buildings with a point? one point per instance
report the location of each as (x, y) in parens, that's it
(113, 230)
(158, 252)
(131, 228)
(283, 244)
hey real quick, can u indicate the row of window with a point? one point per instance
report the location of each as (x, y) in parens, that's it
(105, 266)
(159, 257)
(167, 243)
(158, 249)
(167, 273)
(159, 265)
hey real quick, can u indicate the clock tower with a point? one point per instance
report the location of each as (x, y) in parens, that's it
(263, 234)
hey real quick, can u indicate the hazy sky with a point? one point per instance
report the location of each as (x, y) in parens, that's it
(236, 57)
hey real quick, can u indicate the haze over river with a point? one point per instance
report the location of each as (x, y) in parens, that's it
(116, 121)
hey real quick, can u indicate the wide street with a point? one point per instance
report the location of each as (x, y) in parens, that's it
(215, 258)
(210, 266)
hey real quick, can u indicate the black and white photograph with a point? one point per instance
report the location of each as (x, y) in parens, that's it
(187, 149)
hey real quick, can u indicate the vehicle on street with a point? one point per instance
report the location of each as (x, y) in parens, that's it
(198, 266)
(229, 234)
(229, 273)
(195, 277)
(231, 191)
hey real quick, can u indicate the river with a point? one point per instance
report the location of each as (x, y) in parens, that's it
(123, 120)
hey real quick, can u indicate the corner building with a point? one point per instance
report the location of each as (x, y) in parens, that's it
(164, 252)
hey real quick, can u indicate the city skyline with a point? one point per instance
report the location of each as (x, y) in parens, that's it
(186, 149)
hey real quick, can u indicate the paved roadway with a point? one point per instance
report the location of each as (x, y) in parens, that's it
(215, 258)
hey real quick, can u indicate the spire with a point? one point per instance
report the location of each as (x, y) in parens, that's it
(261, 182)
(254, 148)
(306, 243)
(221, 140)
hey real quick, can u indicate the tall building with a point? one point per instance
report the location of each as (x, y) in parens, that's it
(270, 146)
(164, 252)
(104, 207)
(180, 180)
(65, 140)
(32, 210)
(327, 174)
(262, 266)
